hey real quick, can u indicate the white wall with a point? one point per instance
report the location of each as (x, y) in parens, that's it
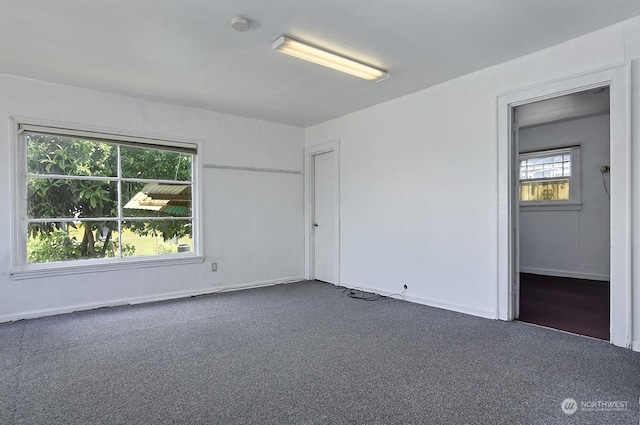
(570, 243)
(419, 191)
(253, 221)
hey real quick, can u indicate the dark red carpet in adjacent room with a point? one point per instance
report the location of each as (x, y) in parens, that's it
(574, 305)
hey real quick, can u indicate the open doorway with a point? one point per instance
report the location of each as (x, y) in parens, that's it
(617, 79)
(563, 153)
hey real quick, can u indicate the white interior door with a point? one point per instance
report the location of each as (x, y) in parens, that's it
(324, 218)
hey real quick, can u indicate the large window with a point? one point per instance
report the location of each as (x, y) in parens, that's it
(103, 197)
(550, 177)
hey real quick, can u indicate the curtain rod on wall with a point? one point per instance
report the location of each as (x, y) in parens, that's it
(263, 170)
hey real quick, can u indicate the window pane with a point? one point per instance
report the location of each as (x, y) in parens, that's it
(70, 157)
(56, 241)
(67, 198)
(545, 167)
(157, 237)
(77, 179)
(141, 199)
(550, 190)
(142, 163)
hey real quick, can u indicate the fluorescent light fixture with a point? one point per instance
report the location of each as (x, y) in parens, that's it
(314, 54)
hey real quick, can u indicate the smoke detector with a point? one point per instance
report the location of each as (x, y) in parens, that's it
(239, 23)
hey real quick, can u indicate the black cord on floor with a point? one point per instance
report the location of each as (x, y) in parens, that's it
(361, 294)
(396, 295)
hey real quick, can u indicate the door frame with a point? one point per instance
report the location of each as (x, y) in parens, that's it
(309, 206)
(618, 79)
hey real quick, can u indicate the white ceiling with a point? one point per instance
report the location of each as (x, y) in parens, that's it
(184, 51)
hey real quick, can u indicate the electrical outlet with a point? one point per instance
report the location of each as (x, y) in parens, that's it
(214, 267)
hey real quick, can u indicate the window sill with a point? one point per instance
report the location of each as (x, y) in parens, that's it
(38, 271)
(549, 206)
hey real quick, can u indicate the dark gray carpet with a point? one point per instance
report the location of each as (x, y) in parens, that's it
(304, 353)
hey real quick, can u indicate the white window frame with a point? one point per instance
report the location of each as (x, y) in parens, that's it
(575, 192)
(21, 269)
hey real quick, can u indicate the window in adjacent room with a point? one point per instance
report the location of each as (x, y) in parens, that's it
(93, 197)
(550, 177)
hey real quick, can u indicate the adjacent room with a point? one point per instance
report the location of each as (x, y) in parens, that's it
(326, 212)
(564, 212)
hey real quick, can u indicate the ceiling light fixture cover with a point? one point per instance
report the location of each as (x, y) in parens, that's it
(317, 55)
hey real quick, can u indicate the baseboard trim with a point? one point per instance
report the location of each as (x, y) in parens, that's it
(145, 299)
(459, 308)
(635, 345)
(562, 273)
